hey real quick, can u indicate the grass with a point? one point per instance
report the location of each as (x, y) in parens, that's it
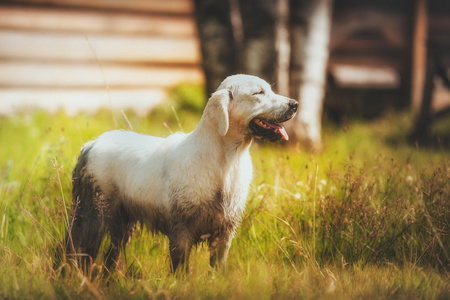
(368, 217)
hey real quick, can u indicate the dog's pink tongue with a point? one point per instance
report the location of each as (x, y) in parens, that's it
(283, 133)
(280, 129)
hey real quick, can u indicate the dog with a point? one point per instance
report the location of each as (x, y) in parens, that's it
(191, 187)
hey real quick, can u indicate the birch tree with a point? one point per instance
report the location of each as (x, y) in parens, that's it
(310, 26)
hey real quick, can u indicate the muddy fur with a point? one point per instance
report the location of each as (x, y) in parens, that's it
(196, 223)
(186, 224)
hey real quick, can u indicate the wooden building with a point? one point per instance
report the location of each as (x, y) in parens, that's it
(378, 54)
(81, 54)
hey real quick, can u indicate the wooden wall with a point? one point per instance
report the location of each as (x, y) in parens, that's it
(72, 53)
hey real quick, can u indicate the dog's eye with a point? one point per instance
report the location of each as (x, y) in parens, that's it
(261, 92)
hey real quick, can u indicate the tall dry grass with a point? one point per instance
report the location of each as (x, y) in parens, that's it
(368, 217)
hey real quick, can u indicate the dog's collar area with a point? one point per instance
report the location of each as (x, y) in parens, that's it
(268, 130)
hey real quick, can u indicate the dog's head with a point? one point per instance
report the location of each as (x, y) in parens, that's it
(247, 104)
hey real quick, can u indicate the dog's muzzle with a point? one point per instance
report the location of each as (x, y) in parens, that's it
(272, 129)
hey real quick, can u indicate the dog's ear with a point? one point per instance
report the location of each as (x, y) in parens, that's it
(217, 110)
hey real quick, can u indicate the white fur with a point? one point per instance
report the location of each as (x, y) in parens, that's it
(147, 171)
(204, 160)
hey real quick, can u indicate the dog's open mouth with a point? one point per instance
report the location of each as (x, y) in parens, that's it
(268, 129)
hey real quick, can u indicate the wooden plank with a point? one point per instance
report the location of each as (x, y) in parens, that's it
(32, 74)
(154, 6)
(73, 101)
(108, 47)
(359, 58)
(86, 22)
(360, 76)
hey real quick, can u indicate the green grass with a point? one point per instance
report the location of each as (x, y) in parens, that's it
(368, 217)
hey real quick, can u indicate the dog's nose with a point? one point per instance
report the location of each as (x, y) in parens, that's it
(293, 105)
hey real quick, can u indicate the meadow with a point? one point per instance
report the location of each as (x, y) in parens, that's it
(368, 217)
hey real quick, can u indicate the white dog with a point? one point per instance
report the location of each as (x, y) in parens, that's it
(191, 187)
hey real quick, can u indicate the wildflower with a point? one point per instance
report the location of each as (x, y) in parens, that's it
(409, 179)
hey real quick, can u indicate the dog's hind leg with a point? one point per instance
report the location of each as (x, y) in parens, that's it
(89, 215)
(121, 229)
(87, 224)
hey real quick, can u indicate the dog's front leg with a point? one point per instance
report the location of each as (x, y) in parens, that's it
(180, 249)
(219, 252)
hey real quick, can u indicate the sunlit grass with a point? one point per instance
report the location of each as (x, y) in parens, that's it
(368, 217)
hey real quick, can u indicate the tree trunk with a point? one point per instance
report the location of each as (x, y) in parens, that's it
(310, 26)
(217, 41)
(422, 130)
(259, 55)
(419, 53)
(283, 48)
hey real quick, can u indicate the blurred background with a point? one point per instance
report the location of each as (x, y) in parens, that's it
(341, 59)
